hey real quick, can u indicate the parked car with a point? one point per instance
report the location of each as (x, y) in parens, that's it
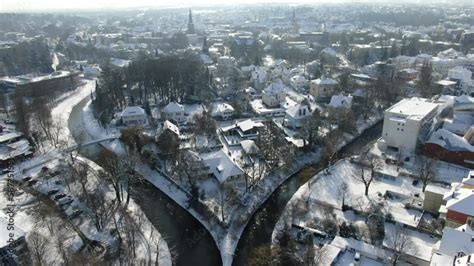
(32, 182)
(59, 196)
(65, 201)
(44, 169)
(74, 214)
(26, 179)
(53, 191)
(6, 171)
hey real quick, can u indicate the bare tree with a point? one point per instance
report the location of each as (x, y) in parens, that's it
(37, 244)
(320, 256)
(374, 164)
(399, 241)
(426, 170)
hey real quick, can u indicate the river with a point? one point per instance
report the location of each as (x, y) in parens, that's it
(259, 229)
(189, 241)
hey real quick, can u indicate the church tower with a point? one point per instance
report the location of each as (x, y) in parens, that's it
(190, 23)
(294, 23)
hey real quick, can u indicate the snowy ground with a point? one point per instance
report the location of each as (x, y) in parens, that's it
(63, 110)
(227, 236)
(27, 204)
(322, 197)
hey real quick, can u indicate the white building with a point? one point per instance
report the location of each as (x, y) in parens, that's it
(175, 112)
(299, 81)
(463, 76)
(341, 101)
(223, 168)
(295, 115)
(223, 111)
(133, 116)
(405, 121)
(274, 94)
(322, 88)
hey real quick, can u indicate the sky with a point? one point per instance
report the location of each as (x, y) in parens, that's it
(55, 5)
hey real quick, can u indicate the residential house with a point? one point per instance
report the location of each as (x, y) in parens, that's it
(455, 247)
(174, 112)
(299, 82)
(447, 146)
(222, 111)
(223, 168)
(458, 208)
(323, 88)
(341, 101)
(274, 94)
(244, 130)
(295, 115)
(133, 116)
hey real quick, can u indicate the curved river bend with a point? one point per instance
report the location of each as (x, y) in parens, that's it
(189, 241)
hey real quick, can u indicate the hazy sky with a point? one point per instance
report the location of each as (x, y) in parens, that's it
(28, 5)
(51, 5)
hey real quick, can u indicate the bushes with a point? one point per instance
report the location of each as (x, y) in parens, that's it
(348, 230)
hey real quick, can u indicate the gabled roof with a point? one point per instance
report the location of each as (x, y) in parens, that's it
(450, 141)
(167, 125)
(460, 200)
(341, 101)
(293, 110)
(455, 241)
(132, 111)
(173, 107)
(221, 165)
(243, 125)
(324, 81)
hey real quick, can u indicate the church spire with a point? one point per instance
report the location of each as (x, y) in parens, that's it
(190, 23)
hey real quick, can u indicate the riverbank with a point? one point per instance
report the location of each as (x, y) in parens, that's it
(227, 238)
(151, 240)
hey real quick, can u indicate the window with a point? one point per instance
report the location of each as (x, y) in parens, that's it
(402, 129)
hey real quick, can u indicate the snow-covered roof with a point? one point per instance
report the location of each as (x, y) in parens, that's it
(298, 78)
(119, 62)
(221, 108)
(293, 110)
(173, 107)
(167, 125)
(324, 81)
(360, 246)
(221, 165)
(455, 241)
(469, 180)
(275, 87)
(341, 101)
(460, 200)
(244, 126)
(249, 146)
(414, 108)
(8, 136)
(450, 141)
(132, 111)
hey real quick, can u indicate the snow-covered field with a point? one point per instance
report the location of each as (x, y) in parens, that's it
(27, 204)
(325, 192)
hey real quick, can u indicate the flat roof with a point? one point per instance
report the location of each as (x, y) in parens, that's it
(414, 108)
